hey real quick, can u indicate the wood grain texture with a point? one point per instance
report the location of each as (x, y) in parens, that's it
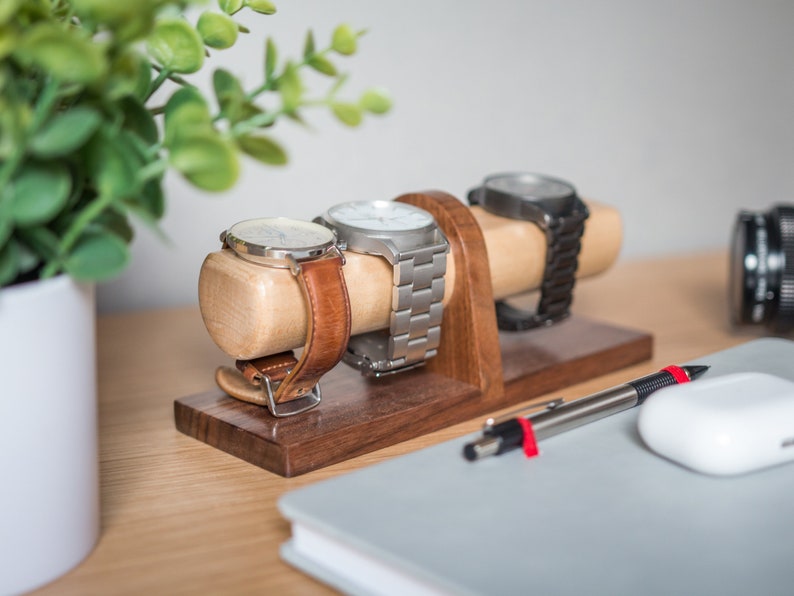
(181, 517)
(253, 311)
(469, 349)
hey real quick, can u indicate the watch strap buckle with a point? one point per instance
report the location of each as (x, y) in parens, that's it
(510, 318)
(289, 408)
(260, 389)
(380, 368)
(268, 373)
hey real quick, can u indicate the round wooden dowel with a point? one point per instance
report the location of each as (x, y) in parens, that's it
(252, 311)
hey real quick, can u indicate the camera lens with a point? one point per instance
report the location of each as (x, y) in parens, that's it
(762, 269)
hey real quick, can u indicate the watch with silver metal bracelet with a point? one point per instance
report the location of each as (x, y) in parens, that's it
(410, 240)
(558, 211)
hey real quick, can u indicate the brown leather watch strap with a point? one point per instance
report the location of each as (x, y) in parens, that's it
(328, 332)
(276, 367)
(327, 335)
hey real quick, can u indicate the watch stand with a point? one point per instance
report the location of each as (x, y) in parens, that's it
(477, 370)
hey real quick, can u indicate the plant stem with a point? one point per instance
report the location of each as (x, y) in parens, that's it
(270, 84)
(152, 170)
(246, 126)
(162, 76)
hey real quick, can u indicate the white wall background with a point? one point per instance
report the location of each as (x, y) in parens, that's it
(677, 112)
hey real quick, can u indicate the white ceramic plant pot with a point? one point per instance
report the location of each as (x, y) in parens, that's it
(49, 469)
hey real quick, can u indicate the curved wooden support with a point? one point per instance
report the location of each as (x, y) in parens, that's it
(469, 349)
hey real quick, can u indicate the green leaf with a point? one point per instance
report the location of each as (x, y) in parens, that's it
(376, 101)
(231, 97)
(27, 260)
(263, 149)
(66, 132)
(97, 257)
(128, 19)
(115, 222)
(227, 88)
(230, 6)
(217, 30)
(8, 40)
(9, 263)
(206, 160)
(186, 112)
(139, 120)
(148, 204)
(308, 46)
(176, 45)
(271, 56)
(348, 113)
(130, 74)
(64, 54)
(41, 240)
(290, 88)
(6, 220)
(39, 192)
(113, 162)
(344, 40)
(8, 9)
(261, 6)
(322, 64)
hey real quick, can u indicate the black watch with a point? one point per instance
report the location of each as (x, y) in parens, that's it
(555, 207)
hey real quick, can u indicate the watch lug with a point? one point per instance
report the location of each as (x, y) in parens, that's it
(338, 250)
(535, 213)
(294, 266)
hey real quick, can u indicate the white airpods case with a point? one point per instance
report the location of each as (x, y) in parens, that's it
(729, 424)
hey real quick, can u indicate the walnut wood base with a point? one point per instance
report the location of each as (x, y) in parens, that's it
(357, 416)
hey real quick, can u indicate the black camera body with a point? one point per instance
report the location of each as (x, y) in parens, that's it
(762, 269)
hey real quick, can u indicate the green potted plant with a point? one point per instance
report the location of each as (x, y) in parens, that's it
(96, 104)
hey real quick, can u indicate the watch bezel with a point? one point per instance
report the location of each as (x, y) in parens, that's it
(387, 243)
(542, 210)
(278, 257)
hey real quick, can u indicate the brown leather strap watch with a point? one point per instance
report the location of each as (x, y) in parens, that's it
(283, 383)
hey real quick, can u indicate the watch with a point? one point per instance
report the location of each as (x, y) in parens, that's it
(411, 241)
(283, 383)
(555, 207)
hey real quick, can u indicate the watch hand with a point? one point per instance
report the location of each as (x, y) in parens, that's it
(275, 231)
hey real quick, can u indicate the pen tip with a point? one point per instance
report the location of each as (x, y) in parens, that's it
(695, 370)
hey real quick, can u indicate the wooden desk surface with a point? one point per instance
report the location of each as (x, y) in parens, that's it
(179, 516)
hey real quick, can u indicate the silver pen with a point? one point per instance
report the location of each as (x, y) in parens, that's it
(504, 435)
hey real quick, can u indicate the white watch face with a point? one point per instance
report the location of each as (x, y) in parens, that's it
(279, 233)
(381, 216)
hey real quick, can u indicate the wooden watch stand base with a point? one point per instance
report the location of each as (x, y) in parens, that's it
(477, 371)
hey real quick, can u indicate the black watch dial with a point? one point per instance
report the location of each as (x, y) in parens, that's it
(556, 196)
(530, 186)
